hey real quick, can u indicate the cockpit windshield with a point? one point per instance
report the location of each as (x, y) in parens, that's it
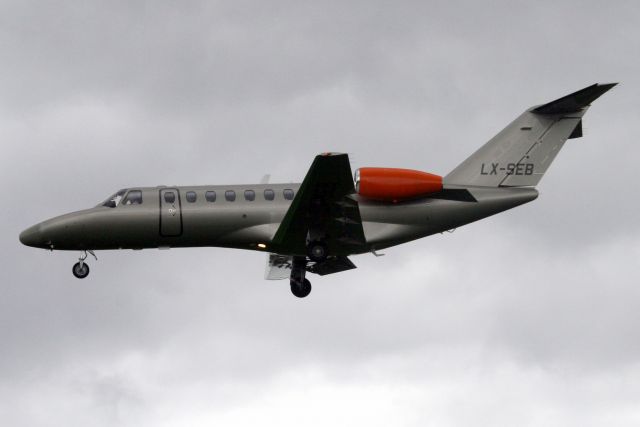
(114, 200)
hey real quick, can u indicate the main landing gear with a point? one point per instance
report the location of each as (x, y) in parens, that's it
(300, 286)
(81, 269)
(317, 252)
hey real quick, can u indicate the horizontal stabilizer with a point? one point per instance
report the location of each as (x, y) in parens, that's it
(575, 101)
(457, 194)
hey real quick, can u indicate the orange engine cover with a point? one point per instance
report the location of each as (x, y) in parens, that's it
(395, 184)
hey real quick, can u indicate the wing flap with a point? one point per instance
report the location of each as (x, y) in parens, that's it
(278, 267)
(332, 265)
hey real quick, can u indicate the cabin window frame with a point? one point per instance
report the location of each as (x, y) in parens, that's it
(288, 194)
(191, 196)
(230, 195)
(271, 192)
(173, 195)
(208, 194)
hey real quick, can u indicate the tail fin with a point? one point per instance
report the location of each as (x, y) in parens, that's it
(521, 153)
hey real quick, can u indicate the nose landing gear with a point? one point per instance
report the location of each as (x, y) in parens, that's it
(81, 269)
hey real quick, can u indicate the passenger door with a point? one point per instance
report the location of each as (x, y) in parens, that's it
(170, 212)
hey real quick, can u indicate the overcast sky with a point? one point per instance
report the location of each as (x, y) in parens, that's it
(528, 318)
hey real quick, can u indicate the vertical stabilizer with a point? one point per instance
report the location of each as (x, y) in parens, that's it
(521, 153)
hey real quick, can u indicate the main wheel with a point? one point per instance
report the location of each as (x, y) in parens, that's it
(301, 290)
(317, 251)
(80, 271)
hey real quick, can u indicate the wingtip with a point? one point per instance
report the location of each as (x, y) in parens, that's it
(607, 85)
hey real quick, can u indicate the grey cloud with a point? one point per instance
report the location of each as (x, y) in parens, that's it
(529, 314)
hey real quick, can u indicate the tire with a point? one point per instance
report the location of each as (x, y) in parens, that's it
(301, 290)
(80, 272)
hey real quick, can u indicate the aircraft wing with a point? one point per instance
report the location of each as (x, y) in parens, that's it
(323, 207)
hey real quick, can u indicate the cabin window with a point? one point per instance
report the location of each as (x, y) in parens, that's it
(249, 195)
(269, 194)
(134, 197)
(230, 195)
(170, 197)
(210, 196)
(191, 196)
(288, 194)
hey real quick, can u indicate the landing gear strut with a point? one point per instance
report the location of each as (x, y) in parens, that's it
(81, 269)
(300, 286)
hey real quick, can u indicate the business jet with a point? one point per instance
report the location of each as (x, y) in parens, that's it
(315, 226)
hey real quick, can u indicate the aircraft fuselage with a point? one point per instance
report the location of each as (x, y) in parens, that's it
(243, 217)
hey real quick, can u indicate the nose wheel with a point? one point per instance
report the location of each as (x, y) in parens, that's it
(81, 268)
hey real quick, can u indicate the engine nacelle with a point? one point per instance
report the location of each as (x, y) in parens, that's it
(390, 184)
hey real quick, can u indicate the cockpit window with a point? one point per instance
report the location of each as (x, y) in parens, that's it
(114, 200)
(134, 197)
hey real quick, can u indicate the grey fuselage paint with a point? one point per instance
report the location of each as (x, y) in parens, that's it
(244, 224)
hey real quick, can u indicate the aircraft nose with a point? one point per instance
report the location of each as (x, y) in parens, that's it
(32, 236)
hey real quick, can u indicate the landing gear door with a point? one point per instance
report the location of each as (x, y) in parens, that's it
(170, 212)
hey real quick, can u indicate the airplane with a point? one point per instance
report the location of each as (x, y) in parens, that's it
(313, 227)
